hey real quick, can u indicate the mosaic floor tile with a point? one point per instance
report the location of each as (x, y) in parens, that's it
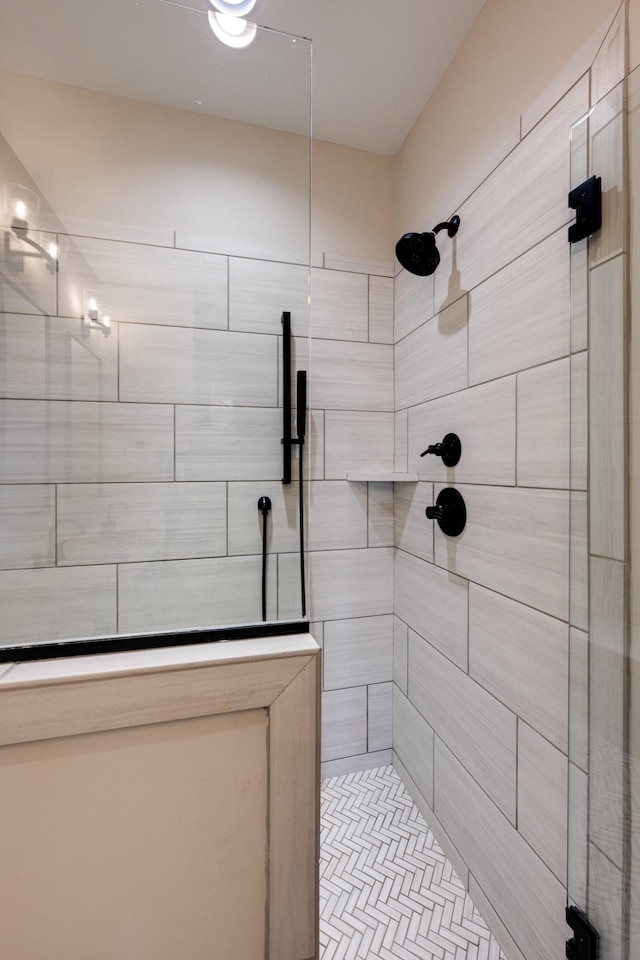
(387, 891)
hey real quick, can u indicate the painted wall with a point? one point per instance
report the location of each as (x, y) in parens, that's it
(113, 160)
(489, 626)
(634, 34)
(104, 851)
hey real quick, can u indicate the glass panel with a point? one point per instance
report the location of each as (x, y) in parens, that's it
(155, 218)
(599, 824)
(633, 92)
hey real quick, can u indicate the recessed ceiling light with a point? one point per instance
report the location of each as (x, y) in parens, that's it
(234, 31)
(234, 8)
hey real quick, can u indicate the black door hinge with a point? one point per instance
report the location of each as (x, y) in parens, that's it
(584, 943)
(586, 200)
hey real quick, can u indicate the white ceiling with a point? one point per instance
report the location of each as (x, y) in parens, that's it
(375, 62)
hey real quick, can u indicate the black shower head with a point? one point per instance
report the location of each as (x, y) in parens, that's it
(417, 252)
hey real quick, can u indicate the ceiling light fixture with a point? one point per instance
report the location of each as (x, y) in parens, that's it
(233, 8)
(234, 31)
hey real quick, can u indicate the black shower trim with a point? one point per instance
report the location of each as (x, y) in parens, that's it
(586, 200)
(152, 641)
(450, 450)
(286, 397)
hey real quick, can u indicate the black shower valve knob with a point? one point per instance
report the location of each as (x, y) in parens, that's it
(450, 512)
(450, 450)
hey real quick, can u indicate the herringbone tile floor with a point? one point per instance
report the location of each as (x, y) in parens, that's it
(387, 891)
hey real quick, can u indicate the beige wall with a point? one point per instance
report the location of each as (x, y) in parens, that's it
(141, 844)
(162, 803)
(353, 202)
(115, 160)
(634, 34)
(515, 49)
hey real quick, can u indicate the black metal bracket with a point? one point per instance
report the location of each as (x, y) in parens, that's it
(586, 200)
(286, 397)
(288, 441)
(584, 945)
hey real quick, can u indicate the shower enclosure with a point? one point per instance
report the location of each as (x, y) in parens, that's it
(155, 219)
(603, 879)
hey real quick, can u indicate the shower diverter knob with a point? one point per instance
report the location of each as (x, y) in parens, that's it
(450, 512)
(450, 450)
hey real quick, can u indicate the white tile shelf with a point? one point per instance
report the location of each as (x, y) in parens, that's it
(382, 476)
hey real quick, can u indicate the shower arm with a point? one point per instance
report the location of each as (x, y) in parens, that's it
(451, 226)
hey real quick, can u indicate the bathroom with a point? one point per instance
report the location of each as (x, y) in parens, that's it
(495, 670)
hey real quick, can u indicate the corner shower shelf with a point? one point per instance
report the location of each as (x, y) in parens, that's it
(382, 476)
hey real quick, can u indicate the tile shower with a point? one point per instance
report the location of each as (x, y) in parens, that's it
(174, 424)
(169, 465)
(499, 720)
(451, 659)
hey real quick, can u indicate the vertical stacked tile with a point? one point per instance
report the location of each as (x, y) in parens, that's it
(491, 641)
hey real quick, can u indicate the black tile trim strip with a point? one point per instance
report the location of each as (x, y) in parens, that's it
(81, 648)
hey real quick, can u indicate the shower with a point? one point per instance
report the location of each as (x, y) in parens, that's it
(418, 253)
(224, 367)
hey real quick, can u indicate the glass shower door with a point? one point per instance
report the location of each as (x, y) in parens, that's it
(154, 208)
